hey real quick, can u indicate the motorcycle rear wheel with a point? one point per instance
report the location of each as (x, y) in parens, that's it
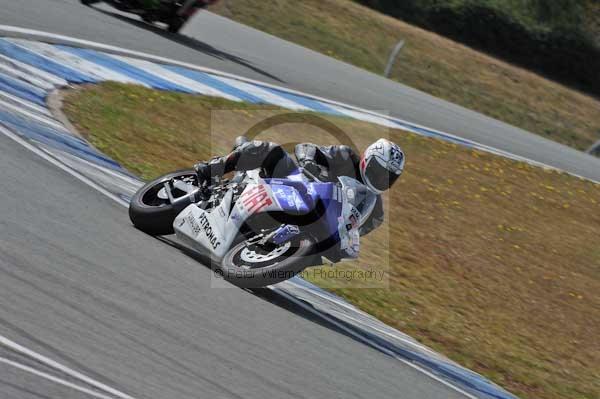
(248, 267)
(176, 23)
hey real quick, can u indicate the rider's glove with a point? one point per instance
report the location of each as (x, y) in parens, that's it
(209, 171)
(202, 171)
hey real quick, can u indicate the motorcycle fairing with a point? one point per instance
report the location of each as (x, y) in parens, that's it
(211, 230)
(289, 199)
(348, 229)
(216, 230)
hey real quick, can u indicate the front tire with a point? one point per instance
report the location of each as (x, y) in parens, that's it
(246, 268)
(153, 215)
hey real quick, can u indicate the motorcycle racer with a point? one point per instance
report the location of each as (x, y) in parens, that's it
(380, 165)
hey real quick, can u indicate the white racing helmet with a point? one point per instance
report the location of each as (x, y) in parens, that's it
(381, 165)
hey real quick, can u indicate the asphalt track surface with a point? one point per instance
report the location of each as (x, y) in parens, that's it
(215, 42)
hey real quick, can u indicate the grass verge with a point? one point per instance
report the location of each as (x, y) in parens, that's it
(358, 35)
(493, 262)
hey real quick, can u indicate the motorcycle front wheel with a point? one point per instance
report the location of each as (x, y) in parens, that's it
(153, 210)
(252, 266)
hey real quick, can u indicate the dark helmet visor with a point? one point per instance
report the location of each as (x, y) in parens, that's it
(380, 177)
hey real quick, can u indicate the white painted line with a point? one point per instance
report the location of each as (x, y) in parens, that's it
(368, 342)
(267, 96)
(46, 120)
(128, 180)
(53, 80)
(24, 103)
(54, 379)
(48, 157)
(111, 181)
(173, 77)
(25, 77)
(364, 116)
(125, 178)
(73, 61)
(63, 369)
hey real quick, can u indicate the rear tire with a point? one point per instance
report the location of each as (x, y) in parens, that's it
(176, 23)
(286, 265)
(89, 2)
(147, 18)
(156, 219)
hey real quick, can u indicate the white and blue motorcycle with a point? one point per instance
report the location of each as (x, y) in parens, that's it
(260, 231)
